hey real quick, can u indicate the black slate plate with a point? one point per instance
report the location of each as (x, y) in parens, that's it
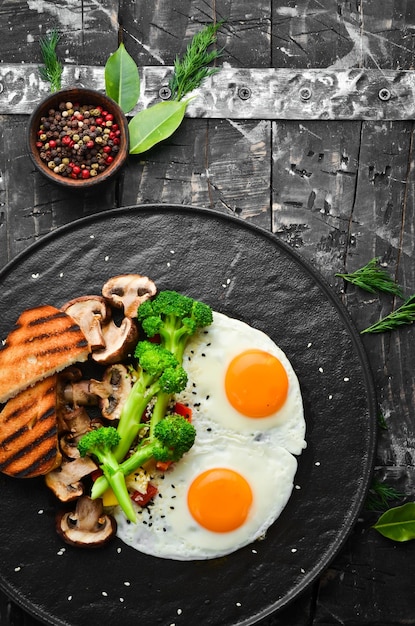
(247, 273)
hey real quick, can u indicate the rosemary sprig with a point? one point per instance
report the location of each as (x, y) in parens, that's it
(405, 314)
(373, 278)
(380, 495)
(52, 69)
(191, 70)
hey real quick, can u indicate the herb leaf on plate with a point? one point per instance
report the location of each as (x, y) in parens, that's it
(398, 523)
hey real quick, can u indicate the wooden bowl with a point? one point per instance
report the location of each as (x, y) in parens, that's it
(39, 145)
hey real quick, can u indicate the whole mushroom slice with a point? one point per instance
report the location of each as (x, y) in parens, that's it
(129, 291)
(119, 341)
(88, 526)
(113, 390)
(90, 313)
(66, 480)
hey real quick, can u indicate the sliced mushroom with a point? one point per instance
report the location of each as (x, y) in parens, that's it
(113, 390)
(119, 341)
(129, 291)
(65, 481)
(78, 422)
(88, 526)
(90, 313)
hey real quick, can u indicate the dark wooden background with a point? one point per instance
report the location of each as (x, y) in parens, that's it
(340, 191)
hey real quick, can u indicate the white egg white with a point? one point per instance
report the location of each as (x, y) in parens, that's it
(206, 360)
(260, 449)
(167, 529)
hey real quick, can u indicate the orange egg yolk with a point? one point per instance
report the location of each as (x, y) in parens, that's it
(219, 499)
(256, 383)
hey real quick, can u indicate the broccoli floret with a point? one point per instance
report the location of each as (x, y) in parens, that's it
(175, 318)
(173, 436)
(159, 372)
(100, 444)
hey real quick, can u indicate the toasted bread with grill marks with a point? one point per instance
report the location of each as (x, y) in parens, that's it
(44, 340)
(28, 432)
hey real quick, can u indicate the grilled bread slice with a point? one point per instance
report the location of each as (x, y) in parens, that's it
(28, 432)
(44, 340)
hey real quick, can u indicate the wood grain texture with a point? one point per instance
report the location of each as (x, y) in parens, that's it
(248, 93)
(340, 190)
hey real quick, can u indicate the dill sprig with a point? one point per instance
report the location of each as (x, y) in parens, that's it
(191, 70)
(405, 314)
(52, 69)
(380, 495)
(371, 277)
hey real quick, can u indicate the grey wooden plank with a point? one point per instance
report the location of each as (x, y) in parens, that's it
(89, 29)
(343, 34)
(249, 93)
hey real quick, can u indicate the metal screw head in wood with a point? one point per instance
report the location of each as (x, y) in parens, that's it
(384, 94)
(305, 93)
(244, 93)
(165, 93)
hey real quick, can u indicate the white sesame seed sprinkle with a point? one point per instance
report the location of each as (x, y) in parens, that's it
(121, 599)
(17, 569)
(61, 274)
(179, 611)
(302, 570)
(309, 345)
(168, 264)
(297, 487)
(317, 463)
(69, 598)
(40, 512)
(106, 258)
(35, 275)
(254, 551)
(293, 550)
(346, 379)
(330, 396)
(92, 236)
(61, 552)
(104, 593)
(118, 550)
(238, 604)
(127, 583)
(320, 369)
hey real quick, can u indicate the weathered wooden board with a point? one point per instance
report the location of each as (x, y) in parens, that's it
(242, 93)
(337, 187)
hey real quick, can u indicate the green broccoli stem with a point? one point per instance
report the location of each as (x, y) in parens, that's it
(143, 454)
(132, 412)
(116, 480)
(159, 411)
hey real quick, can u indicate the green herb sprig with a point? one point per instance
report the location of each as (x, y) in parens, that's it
(371, 277)
(52, 69)
(192, 69)
(405, 314)
(381, 495)
(159, 121)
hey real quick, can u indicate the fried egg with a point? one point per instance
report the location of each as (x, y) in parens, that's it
(219, 497)
(237, 478)
(241, 381)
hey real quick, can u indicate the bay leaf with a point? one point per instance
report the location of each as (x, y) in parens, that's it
(122, 81)
(154, 124)
(398, 523)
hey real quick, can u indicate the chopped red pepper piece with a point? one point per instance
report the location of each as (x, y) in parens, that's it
(183, 410)
(142, 499)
